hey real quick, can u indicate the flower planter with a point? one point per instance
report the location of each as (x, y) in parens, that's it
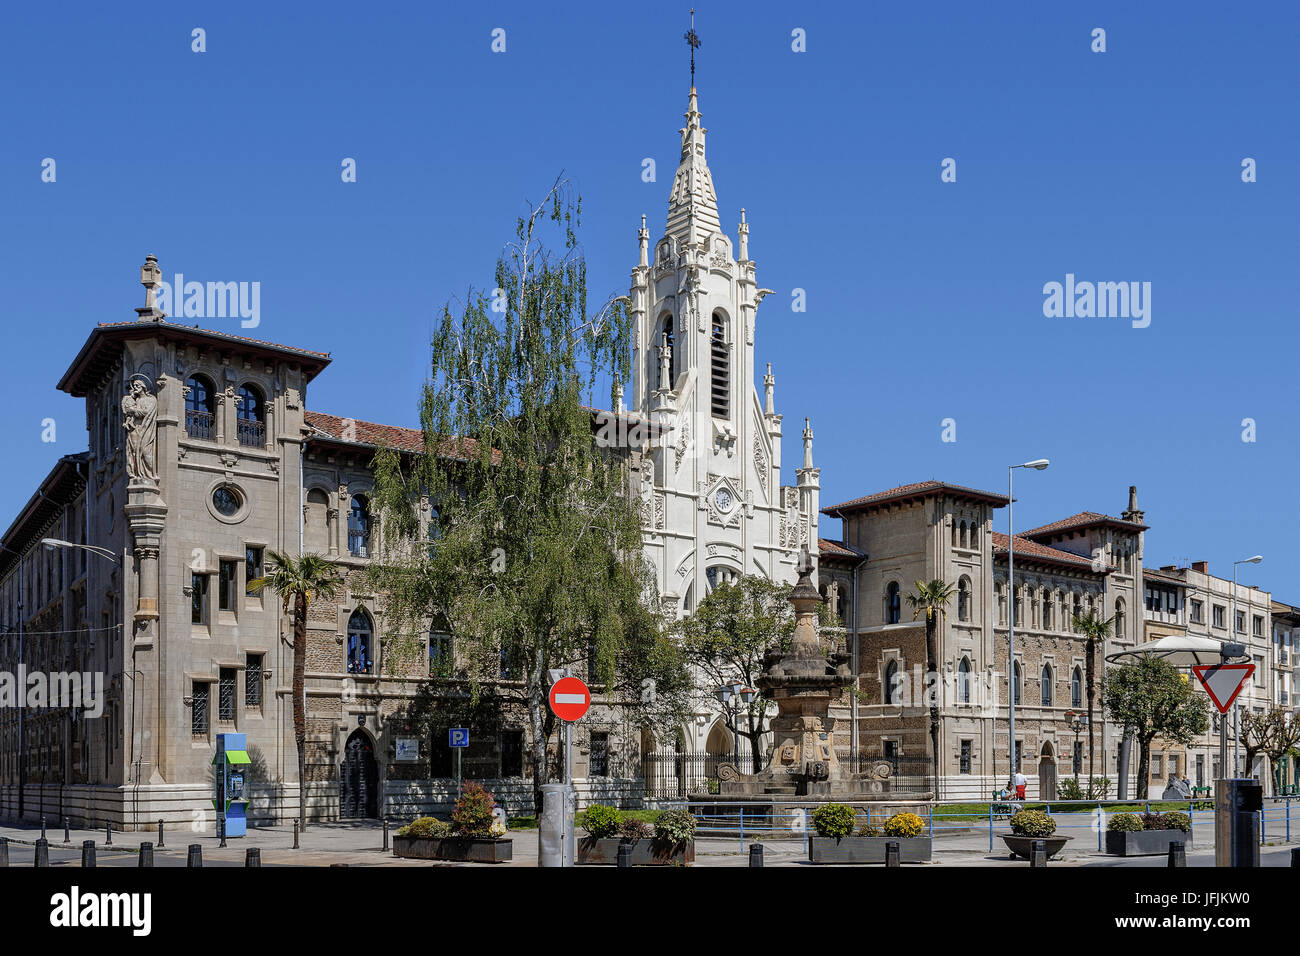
(645, 852)
(1023, 846)
(1144, 842)
(458, 849)
(864, 849)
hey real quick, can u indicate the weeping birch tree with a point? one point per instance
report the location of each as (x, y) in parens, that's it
(515, 529)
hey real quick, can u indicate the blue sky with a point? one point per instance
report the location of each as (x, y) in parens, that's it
(924, 299)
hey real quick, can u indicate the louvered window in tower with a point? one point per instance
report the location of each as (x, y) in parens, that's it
(721, 369)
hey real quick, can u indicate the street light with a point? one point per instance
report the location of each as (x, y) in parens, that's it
(730, 695)
(1013, 755)
(92, 548)
(1223, 722)
(1077, 722)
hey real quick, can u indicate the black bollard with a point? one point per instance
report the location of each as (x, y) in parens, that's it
(1295, 856)
(253, 857)
(755, 854)
(4, 851)
(385, 834)
(42, 853)
(42, 828)
(893, 854)
(196, 855)
(221, 831)
(67, 832)
(295, 834)
(108, 833)
(1038, 855)
(88, 853)
(161, 844)
(624, 854)
(1177, 854)
(146, 854)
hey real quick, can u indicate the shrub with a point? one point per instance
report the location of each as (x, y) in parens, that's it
(1125, 823)
(904, 825)
(1033, 823)
(1069, 789)
(601, 821)
(1177, 820)
(1153, 821)
(472, 816)
(869, 830)
(426, 828)
(675, 827)
(634, 829)
(833, 820)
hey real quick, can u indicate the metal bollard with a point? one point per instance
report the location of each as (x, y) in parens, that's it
(146, 854)
(4, 851)
(221, 832)
(108, 833)
(1177, 854)
(893, 854)
(88, 853)
(67, 833)
(196, 855)
(42, 828)
(253, 857)
(295, 834)
(755, 854)
(161, 844)
(1295, 857)
(624, 854)
(42, 853)
(385, 834)
(1038, 855)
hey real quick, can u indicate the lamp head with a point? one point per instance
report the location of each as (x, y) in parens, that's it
(1255, 560)
(1038, 464)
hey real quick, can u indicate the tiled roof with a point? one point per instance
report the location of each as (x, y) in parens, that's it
(1083, 519)
(225, 335)
(916, 489)
(1033, 551)
(1162, 576)
(365, 433)
(830, 548)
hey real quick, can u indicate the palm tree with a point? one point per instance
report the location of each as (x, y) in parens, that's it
(1095, 628)
(931, 598)
(299, 580)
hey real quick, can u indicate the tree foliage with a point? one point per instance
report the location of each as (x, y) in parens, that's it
(1153, 699)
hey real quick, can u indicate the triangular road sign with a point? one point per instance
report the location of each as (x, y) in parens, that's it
(1223, 682)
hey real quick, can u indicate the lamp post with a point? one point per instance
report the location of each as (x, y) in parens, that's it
(92, 548)
(730, 696)
(1077, 722)
(1223, 718)
(1038, 464)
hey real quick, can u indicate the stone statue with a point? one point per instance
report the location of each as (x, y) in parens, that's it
(140, 422)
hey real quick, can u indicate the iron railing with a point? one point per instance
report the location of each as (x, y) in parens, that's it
(200, 424)
(252, 433)
(677, 776)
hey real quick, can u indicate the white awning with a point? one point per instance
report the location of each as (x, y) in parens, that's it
(1178, 649)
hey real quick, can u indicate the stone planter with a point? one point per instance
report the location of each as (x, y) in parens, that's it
(864, 849)
(647, 852)
(1023, 846)
(458, 849)
(1145, 842)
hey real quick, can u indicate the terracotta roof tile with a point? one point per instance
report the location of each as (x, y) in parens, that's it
(365, 433)
(830, 548)
(225, 335)
(1083, 519)
(919, 488)
(1032, 550)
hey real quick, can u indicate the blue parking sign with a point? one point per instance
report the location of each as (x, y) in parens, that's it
(458, 737)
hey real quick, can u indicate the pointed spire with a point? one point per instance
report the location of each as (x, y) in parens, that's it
(743, 230)
(693, 204)
(769, 385)
(643, 239)
(807, 443)
(1134, 513)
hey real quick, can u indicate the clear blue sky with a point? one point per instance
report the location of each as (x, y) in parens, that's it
(924, 298)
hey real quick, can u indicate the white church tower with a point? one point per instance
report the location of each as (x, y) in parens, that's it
(714, 505)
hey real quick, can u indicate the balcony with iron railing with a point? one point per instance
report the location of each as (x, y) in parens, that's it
(359, 544)
(251, 433)
(200, 424)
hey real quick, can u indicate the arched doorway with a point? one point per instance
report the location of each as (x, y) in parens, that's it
(358, 778)
(1046, 773)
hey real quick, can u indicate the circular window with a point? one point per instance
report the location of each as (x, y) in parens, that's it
(226, 501)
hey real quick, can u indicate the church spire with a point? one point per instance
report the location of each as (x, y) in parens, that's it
(693, 205)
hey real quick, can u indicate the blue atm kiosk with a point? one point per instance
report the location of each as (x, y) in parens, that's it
(231, 765)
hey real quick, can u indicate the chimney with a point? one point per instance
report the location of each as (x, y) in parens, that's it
(1202, 566)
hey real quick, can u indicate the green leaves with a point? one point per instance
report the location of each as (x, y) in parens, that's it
(1153, 698)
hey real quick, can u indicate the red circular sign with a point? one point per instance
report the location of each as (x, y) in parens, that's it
(570, 698)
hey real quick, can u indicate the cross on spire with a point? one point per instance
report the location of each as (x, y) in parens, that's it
(693, 41)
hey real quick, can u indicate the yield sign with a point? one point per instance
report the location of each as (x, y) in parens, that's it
(1223, 682)
(570, 698)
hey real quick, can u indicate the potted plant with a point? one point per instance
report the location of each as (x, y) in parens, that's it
(670, 842)
(1150, 834)
(1028, 826)
(474, 834)
(837, 842)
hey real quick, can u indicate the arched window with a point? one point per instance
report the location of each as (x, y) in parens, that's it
(1015, 682)
(963, 681)
(1120, 633)
(889, 693)
(1076, 688)
(1002, 602)
(963, 600)
(1019, 609)
(200, 408)
(1077, 608)
(955, 539)
(359, 527)
(251, 425)
(1045, 680)
(720, 379)
(974, 536)
(893, 604)
(717, 575)
(1047, 609)
(964, 538)
(316, 522)
(360, 643)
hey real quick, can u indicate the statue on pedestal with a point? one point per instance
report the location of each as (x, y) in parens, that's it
(140, 422)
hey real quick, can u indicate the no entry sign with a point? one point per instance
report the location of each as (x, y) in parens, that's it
(1223, 682)
(570, 698)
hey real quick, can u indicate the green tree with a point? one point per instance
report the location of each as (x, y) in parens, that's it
(299, 581)
(1273, 733)
(1095, 629)
(931, 599)
(1152, 698)
(727, 637)
(511, 523)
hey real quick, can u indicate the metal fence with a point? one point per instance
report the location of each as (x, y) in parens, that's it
(677, 776)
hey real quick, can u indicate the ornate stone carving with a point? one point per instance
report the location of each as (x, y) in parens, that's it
(140, 422)
(760, 463)
(683, 443)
